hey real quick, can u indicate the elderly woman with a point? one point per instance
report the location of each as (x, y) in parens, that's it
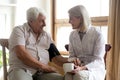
(86, 43)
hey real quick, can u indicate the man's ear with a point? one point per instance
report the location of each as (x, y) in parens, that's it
(31, 21)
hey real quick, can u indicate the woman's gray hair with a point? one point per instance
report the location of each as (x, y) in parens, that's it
(33, 12)
(80, 11)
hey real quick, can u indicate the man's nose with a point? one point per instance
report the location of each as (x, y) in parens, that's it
(43, 24)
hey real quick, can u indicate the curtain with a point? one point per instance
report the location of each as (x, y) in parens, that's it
(113, 57)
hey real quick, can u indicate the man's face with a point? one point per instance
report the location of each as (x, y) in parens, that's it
(38, 24)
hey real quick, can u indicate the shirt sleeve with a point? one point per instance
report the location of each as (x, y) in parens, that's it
(16, 38)
(71, 48)
(99, 52)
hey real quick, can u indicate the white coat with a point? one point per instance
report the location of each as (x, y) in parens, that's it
(90, 50)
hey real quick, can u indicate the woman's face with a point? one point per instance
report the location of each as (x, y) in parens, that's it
(75, 22)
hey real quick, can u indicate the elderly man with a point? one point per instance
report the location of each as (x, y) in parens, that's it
(29, 47)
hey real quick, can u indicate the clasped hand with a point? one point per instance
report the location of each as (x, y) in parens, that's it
(78, 66)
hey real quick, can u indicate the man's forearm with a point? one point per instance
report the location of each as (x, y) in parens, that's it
(59, 60)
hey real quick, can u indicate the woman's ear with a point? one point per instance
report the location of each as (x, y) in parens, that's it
(81, 21)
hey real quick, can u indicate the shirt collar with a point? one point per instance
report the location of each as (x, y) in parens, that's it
(28, 28)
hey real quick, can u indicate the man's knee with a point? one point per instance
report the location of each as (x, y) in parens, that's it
(50, 76)
(56, 76)
(19, 74)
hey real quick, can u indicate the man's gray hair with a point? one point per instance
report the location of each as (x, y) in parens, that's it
(33, 12)
(80, 11)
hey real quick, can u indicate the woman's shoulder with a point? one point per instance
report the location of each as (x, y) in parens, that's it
(73, 32)
(94, 30)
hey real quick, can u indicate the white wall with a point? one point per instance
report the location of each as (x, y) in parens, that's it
(13, 13)
(7, 17)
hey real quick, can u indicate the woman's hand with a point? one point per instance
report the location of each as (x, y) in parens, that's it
(74, 60)
(77, 62)
(77, 69)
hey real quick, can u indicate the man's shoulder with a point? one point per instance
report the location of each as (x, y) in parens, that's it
(17, 28)
(21, 27)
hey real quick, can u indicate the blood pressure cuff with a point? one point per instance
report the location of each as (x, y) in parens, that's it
(53, 51)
